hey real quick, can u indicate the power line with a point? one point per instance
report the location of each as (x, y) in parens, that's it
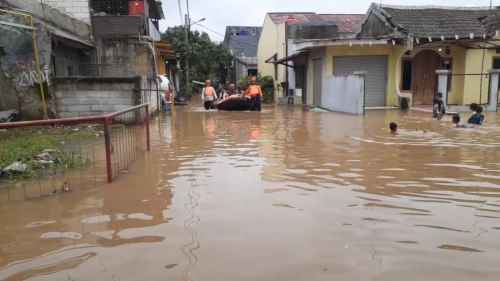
(211, 30)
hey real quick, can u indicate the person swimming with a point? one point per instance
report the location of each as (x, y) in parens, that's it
(477, 118)
(393, 127)
(456, 121)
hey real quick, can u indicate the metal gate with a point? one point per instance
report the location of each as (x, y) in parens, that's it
(318, 81)
(375, 68)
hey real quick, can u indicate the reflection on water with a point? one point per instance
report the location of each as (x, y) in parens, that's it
(278, 195)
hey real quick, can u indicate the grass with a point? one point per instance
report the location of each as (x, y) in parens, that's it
(24, 144)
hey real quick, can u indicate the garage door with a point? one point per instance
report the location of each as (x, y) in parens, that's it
(376, 75)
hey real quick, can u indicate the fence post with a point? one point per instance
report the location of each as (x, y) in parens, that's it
(494, 83)
(443, 84)
(148, 136)
(109, 148)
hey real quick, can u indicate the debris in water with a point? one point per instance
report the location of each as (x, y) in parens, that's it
(283, 205)
(459, 248)
(16, 167)
(170, 266)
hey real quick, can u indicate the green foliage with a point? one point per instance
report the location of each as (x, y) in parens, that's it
(267, 84)
(24, 144)
(24, 148)
(208, 60)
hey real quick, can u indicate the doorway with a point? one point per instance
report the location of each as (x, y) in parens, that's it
(424, 77)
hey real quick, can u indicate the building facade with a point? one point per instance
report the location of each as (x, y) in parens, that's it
(281, 30)
(118, 44)
(78, 9)
(60, 45)
(400, 50)
(242, 42)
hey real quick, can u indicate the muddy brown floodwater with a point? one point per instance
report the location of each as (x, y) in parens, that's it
(279, 195)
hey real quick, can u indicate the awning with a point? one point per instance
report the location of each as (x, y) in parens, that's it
(284, 61)
(291, 57)
(68, 36)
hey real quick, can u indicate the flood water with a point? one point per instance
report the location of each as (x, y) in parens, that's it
(278, 195)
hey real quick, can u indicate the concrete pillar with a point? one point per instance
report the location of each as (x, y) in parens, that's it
(493, 100)
(443, 84)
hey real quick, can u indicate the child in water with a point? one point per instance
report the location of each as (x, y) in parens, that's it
(438, 109)
(477, 118)
(394, 128)
(456, 121)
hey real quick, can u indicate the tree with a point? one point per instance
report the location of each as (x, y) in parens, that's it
(208, 59)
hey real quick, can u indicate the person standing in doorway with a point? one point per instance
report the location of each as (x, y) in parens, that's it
(208, 95)
(254, 93)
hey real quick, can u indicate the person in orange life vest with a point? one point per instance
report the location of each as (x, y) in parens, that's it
(208, 95)
(254, 93)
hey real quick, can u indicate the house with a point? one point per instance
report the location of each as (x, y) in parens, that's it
(402, 49)
(167, 62)
(279, 28)
(242, 42)
(62, 45)
(101, 40)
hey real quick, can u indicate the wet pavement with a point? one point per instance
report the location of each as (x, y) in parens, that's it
(278, 195)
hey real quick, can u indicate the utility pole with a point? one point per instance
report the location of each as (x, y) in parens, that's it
(187, 29)
(287, 73)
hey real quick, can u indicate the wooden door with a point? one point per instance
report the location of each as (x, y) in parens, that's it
(424, 78)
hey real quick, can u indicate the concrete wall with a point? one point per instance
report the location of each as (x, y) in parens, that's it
(267, 47)
(477, 61)
(94, 96)
(67, 61)
(456, 89)
(76, 8)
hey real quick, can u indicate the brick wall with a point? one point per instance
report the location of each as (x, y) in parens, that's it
(84, 96)
(76, 8)
(77, 97)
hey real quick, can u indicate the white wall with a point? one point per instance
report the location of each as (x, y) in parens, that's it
(272, 41)
(344, 94)
(78, 9)
(267, 47)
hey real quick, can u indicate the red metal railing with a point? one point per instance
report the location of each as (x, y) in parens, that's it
(122, 131)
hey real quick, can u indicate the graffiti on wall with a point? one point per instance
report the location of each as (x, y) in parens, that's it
(17, 60)
(29, 77)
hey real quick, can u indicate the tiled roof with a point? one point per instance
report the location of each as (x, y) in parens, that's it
(440, 21)
(279, 18)
(346, 23)
(243, 41)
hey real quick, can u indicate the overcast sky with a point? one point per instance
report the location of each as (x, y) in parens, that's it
(221, 13)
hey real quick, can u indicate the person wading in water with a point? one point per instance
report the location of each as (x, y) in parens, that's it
(209, 95)
(254, 93)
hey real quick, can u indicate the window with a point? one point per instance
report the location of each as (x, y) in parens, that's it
(406, 77)
(496, 63)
